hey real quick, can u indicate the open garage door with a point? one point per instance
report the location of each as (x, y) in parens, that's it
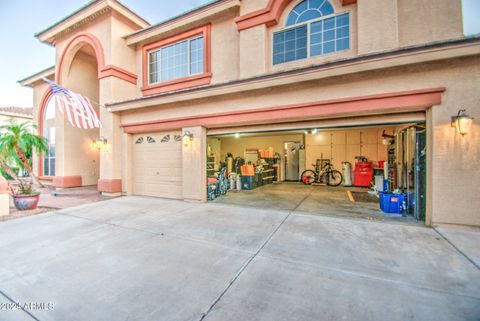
(364, 167)
(157, 164)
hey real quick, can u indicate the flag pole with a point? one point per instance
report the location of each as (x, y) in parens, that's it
(93, 101)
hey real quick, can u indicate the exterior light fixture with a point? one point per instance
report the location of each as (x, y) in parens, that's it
(462, 122)
(187, 138)
(100, 144)
(237, 135)
(387, 139)
(315, 131)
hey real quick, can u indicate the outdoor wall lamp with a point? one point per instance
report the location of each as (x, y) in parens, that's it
(100, 144)
(462, 122)
(187, 138)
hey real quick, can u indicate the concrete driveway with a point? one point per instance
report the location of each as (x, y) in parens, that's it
(145, 259)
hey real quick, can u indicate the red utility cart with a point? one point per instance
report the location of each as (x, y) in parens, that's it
(363, 174)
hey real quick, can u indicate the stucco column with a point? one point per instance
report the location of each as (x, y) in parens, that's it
(195, 165)
(127, 163)
(110, 181)
(253, 51)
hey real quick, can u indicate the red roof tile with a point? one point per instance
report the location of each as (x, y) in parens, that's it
(17, 110)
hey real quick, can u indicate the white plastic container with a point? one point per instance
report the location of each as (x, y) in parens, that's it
(239, 183)
(347, 174)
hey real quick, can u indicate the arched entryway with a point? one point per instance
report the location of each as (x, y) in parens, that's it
(77, 163)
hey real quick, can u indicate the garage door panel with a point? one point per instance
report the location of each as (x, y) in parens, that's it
(157, 165)
(158, 188)
(162, 180)
(156, 171)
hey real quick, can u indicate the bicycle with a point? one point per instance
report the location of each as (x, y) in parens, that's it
(327, 174)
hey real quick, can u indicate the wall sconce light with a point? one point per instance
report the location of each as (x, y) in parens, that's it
(187, 138)
(311, 131)
(237, 135)
(462, 122)
(100, 144)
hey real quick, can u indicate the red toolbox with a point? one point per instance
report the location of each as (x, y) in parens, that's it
(363, 174)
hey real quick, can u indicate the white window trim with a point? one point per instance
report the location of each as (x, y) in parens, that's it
(188, 40)
(308, 24)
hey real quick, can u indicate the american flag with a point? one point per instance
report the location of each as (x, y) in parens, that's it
(79, 109)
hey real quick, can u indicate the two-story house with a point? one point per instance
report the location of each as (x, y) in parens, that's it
(246, 68)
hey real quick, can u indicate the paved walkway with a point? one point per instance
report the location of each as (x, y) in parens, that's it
(136, 258)
(71, 197)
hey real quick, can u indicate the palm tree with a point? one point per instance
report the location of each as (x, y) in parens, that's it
(18, 140)
(4, 164)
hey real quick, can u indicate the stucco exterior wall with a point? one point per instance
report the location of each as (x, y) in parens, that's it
(225, 50)
(377, 25)
(428, 21)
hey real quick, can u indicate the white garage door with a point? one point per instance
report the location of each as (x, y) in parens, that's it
(157, 164)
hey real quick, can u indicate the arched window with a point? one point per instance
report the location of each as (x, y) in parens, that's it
(309, 10)
(49, 134)
(312, 29)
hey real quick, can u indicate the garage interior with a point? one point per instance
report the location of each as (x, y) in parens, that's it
(383, 168)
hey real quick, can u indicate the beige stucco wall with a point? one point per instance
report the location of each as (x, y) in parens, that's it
(377, 25)
(225, 50)
(428, 21)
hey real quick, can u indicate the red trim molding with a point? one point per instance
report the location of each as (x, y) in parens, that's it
(114, 71)
(270, 16)
(178, 84)
(109, 185)
(85, 38)
(103, 70)
(372, 104)
(67, 181)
